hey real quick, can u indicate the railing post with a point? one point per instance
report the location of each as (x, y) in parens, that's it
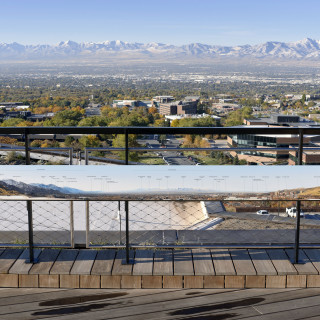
(126, 146)
(79, 159)
(30, 229)
(86, 156)
(71, 225)
(296, 253)
(127, 260)
(298, 205)
(87, 224)
(26, 145)
(71, 156)
(119, 215)
(29, 202)
(126, 203)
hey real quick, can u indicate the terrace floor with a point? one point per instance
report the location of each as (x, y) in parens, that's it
(167, 269)
(166, 304)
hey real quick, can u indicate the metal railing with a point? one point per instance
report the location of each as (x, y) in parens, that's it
(25, 133)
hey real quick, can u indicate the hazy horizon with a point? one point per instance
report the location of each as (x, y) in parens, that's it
(163, 178)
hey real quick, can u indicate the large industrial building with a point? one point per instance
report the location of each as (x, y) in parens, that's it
(181, 107)
(259, 141)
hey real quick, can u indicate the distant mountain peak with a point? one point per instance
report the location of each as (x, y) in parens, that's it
(305, 49)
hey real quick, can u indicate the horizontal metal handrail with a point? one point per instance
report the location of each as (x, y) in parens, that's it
(198, 149)
(160, 130)
(12, 198)
(48, 149)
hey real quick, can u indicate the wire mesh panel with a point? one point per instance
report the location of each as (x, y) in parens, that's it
(158, 222)
(264, 223)
(150, 222)
(52, 222)
(106, 223)
(14, 222)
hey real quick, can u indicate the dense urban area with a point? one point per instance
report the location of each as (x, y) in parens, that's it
(162, 96)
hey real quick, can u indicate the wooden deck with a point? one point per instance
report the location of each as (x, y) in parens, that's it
(196, 268)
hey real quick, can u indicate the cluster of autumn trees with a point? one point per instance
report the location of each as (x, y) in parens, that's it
(114, 117)
(236, 118)
(195, 141)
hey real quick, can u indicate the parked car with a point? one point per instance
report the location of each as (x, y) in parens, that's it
(292, 212)
(262, 212)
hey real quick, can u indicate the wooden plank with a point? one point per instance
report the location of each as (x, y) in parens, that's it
(69, 281)
(64, 261)
(9, 280)
(172, 282)
(212, 282)
(193, 282)
(48, 281)
(89, 281)
(306, 267)
(21, 266)
(296, 281)
(242, 262)
(235, 282)
(222, 262)
(131, 282)
(313, 281)
(151, 282)
(182, 263)
(119, 268)
(84, 262)
(143, 262)
(46, 261)
(255, 281)
(28, 281)
(163, 263)
(202, 262)
(8, 258)
(111, 282)
(262, 262)
(276, 281)
(104, 262)
(281, 262)
(313, 255)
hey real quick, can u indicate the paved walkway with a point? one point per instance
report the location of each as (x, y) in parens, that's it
(200, 304)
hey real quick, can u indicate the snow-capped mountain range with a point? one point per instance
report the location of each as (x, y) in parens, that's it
(37, 189)
(308, 49)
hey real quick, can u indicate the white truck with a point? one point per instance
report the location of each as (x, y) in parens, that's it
(292, 212)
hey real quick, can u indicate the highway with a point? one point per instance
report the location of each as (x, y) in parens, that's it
(170, 157)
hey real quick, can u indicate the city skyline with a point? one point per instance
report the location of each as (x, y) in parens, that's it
(175, 22)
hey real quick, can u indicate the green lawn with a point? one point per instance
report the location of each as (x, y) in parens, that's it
(204, 159)
(151, 159)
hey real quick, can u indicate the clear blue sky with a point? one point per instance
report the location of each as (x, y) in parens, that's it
(225, 22)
